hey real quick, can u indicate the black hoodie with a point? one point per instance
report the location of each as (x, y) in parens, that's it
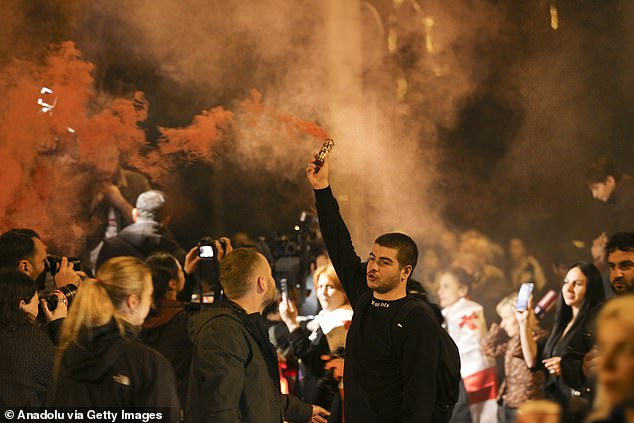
(105, 369)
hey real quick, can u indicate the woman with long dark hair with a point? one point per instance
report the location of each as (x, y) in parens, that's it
(579, 300)
(27, 353)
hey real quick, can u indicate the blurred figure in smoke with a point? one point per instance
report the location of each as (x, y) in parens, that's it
(524, 268)
(448, 246)
(617, 191)
(488, 282)
(615, 370)
(430, 272)
(113, 191)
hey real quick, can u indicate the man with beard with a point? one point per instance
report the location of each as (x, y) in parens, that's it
(234, 374)
(620, 251)
(23, 250)
(392, 357)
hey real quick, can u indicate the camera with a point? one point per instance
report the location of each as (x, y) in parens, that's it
(69, 292)
(54, 263)
(207, 248)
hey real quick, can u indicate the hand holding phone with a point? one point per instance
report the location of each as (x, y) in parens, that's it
(526, 290)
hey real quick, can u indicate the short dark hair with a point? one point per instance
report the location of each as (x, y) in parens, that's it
(406, 250)
(15, 286)
(623, 241)
(236, 271)
(15, 245)
(599, 170)
(152, 205)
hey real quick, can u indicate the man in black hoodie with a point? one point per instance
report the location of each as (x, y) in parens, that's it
(234, 374)
(148, 234)
(393, 358)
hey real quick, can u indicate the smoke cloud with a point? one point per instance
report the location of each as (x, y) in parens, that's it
(471, 113)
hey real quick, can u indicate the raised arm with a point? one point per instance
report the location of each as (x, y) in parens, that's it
(336, 235)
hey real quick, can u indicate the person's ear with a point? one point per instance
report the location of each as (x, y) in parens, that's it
(406, 271)
(25, 267)
(261, 284)
(171, 285)
(21, 305)
(132, 301)
(135, 214)
(610, 181)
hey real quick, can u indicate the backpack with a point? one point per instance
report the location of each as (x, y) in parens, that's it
(448, 378)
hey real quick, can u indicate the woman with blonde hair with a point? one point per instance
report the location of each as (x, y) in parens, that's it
(503, 340)
(615, 368)
(324, 335)
(99, 362)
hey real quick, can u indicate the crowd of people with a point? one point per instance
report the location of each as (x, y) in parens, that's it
(446, 338)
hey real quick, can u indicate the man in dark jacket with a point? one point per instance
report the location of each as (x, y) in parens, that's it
(234, 375)
(148, 234)
(391, 365)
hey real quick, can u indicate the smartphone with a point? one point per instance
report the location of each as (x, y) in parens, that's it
(206, 249)
(284, 288)
(526, 290)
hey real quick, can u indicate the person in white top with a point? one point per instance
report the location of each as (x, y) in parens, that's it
(464, 320)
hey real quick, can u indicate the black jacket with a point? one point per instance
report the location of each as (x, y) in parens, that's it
(400, 385)
(167, 334)
(27, 355)
(234, 375)
(106, 369)
(140, 240)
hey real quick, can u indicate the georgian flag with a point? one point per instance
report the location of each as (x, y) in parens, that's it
(465, 323)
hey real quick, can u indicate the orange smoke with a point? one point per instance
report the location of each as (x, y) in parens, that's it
(48, 157)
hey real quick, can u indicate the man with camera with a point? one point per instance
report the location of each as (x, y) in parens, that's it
(234, 374)
(394, 365)
(23, 250)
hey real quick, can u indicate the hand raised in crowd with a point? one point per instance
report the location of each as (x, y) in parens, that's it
(60, 311)
(192, 258)
(318, 179)
(553, 365)
(223, 251)
(113, 194)
(66, 275)
(288, 314)
(526, 318)
(319, 415)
